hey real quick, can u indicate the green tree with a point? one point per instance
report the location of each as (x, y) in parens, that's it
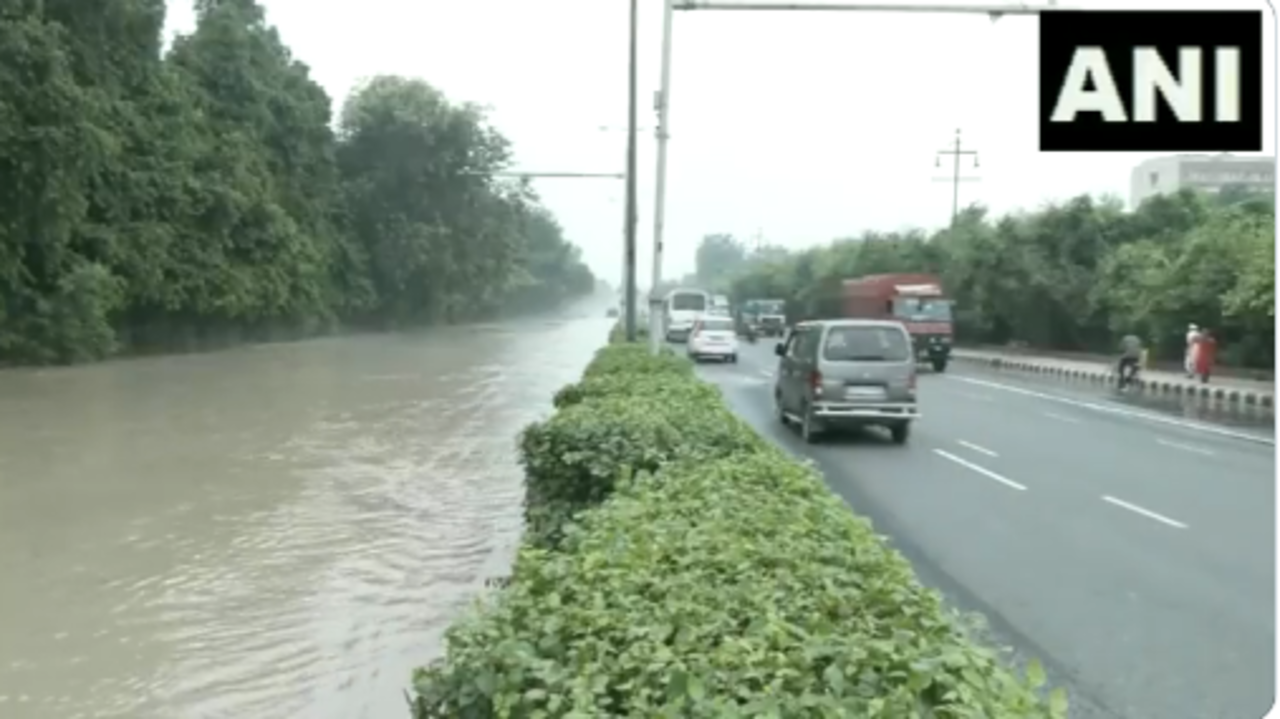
(201, 196)
(717, 258)
(1071, 276)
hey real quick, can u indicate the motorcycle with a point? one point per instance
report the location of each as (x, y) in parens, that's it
(1126, 379)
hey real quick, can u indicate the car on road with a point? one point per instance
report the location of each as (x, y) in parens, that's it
(713, 337)
(838, 374)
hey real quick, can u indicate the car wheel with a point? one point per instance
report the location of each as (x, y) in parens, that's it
(733, 359)
(809, 430)
(900, 432)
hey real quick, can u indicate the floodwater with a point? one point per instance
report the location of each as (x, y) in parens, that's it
(273, 532)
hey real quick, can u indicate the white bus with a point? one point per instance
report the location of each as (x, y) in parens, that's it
(682, 309)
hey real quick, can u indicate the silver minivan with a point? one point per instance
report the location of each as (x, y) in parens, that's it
(834, 374)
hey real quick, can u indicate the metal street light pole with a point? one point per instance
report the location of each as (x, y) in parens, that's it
(656, 320)
(631, 178)
(622, 276)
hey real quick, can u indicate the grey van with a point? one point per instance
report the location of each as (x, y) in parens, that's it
(834, 374)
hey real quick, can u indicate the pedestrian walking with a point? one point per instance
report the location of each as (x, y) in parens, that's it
(1206, 354)
(1188, 357)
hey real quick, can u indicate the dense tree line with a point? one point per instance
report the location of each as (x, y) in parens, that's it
(203, 194)
(1072, 277)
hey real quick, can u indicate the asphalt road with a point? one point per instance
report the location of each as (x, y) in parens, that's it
(1132, 552)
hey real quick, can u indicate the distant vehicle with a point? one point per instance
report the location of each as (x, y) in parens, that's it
(713, 337)
(835, 374)
(682, 308)
(765, 317)
(915, 300)
(720, 302)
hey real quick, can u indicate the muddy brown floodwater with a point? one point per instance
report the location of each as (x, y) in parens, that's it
(272, 532)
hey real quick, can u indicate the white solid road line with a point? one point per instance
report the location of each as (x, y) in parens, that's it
(1185, 447)
(976, 448)
(766, 373)
(1144, 512)
(1061, 417)
(980, 470)
(1122, 411)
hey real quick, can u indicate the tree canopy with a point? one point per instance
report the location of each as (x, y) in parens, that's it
(205, 194)
(1072, 276)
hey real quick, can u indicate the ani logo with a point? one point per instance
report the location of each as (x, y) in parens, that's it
(1148, 81)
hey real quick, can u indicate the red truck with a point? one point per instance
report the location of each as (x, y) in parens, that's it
(915, 300)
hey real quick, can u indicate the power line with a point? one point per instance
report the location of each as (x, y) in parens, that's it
(955, 151)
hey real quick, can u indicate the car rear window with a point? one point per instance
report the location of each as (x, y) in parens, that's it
(866, 344)
(715, 324)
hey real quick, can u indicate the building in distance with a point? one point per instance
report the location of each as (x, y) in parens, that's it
(1207, 173)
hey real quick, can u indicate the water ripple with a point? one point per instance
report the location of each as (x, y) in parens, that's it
(278, 534)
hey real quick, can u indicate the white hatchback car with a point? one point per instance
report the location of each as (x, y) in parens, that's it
(713, 337)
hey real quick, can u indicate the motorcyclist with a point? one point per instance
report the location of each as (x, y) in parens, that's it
(1130, 359)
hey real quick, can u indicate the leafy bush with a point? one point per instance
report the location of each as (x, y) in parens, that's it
(631, 369)
(635, 358)
(677, 565)
(572, 460)
(741, 587)
(653, 386)
(619, 333)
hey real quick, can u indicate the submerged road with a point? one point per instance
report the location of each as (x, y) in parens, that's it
(1129, 549)
(272, 532)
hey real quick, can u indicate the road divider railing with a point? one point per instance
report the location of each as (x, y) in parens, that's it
(677, 564)
(1106, 374)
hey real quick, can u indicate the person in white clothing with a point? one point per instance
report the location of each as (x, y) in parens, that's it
(1189, 356)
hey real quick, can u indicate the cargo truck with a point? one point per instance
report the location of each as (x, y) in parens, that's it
(915, 300)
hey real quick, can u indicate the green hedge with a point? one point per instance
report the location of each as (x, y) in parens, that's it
(619, 332)
(720, 579)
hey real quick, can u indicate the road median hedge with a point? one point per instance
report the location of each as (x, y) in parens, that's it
(675, 564)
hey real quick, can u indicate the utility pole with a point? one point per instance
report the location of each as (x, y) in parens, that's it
(955, 151)
(661, 105)
(631, 178)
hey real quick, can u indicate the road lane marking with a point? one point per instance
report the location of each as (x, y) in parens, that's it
(1144, 512)
(766, 373)
(1122, 411)
(1185, 447)
(980, 470)
(1061, 417)
(976, 448)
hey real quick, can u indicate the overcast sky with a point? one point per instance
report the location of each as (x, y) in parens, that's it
(803, 126)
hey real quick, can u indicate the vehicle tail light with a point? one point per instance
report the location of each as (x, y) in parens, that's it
(815, 382)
